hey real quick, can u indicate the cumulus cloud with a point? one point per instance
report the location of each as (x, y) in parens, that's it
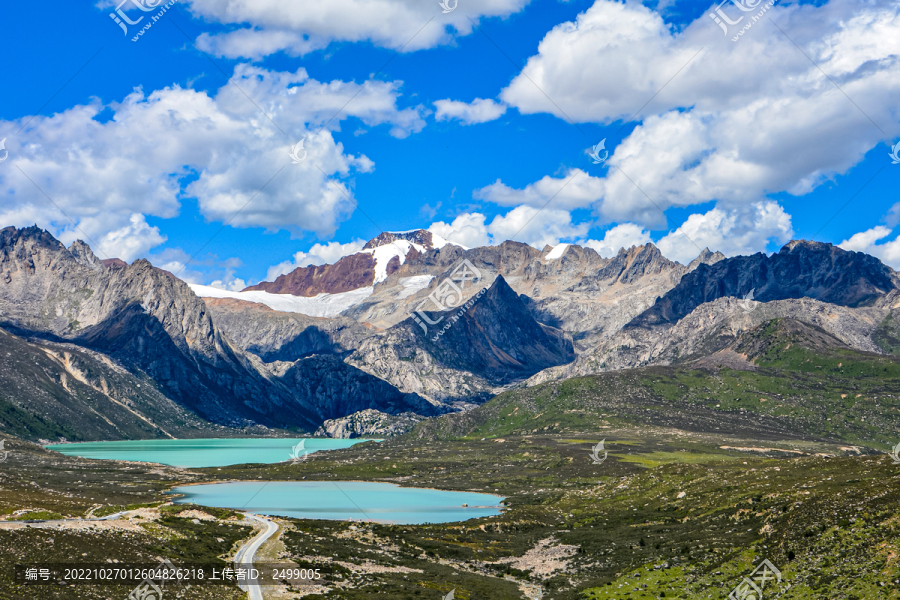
(624, 235)
(132, 241)
(175, 261)
(479, 111)
(318, 254)
(575, 189)
(468, 229)
(739, 120)
(865, 241)
(270, 26)
(521, 224)
(106, 176)
(741, 230)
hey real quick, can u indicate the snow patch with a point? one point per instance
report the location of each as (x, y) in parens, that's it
(384, 254)
(323, 305)
(439, 242)
(557, 252)
(411, 285)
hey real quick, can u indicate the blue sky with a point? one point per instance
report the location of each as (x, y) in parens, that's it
(147, 148)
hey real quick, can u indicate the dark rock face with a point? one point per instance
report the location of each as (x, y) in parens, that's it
(49, 389)
(349, 273)
(334, 389)
(367, 423)
(497, 338)
(801, 269)
(493, 343)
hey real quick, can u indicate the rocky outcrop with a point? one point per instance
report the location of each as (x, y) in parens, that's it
(712, 327)
(471, 352)
(421, 237)
(349, 273)
(369, 423)
(274, 335)
(705, 258)
(113, 263)
(800, 270)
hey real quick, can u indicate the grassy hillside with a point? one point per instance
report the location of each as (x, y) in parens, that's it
(50, 390)
(783, 380)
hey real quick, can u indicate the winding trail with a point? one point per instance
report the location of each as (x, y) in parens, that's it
(247, 552)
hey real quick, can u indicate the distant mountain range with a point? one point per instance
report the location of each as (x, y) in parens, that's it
(412, 326)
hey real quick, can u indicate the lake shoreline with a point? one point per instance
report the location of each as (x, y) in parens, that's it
(206, 453)
(368, 500)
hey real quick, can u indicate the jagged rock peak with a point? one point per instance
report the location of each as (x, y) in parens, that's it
(9, 236)
(805, 245)
(422, 237)
(629, 265)
(85, 256)
(706, 258)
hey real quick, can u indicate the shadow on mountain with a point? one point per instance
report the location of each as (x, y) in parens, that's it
(800, 270)
(496, 338)
(216, 385)
(335, 389)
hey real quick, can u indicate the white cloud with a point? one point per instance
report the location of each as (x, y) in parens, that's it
(865, 241)
(318, 254)
(743, 230)
(575, 189)
(739, 121)
(468, 229)
(532, 226)
(479, 111)
(523, 224)
(174, 260)
(102, 174)
(132, 241)
(624, 235)
(892, 218)
(297, 28)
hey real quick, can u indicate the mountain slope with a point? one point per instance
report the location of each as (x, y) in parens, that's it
(274, 335)
(800, 269)
(152, 323)
(50, 390)
(781, 380)
(493, 343)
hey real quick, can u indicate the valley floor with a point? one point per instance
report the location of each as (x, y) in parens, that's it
(668, 514)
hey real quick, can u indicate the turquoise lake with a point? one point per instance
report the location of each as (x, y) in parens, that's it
(203, 452)
(343, 500)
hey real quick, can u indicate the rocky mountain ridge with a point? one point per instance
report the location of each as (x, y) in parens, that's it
(444, 328)
(354, 271)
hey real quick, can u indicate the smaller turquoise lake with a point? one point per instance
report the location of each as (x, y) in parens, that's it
(343, 500)
(203, 452)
